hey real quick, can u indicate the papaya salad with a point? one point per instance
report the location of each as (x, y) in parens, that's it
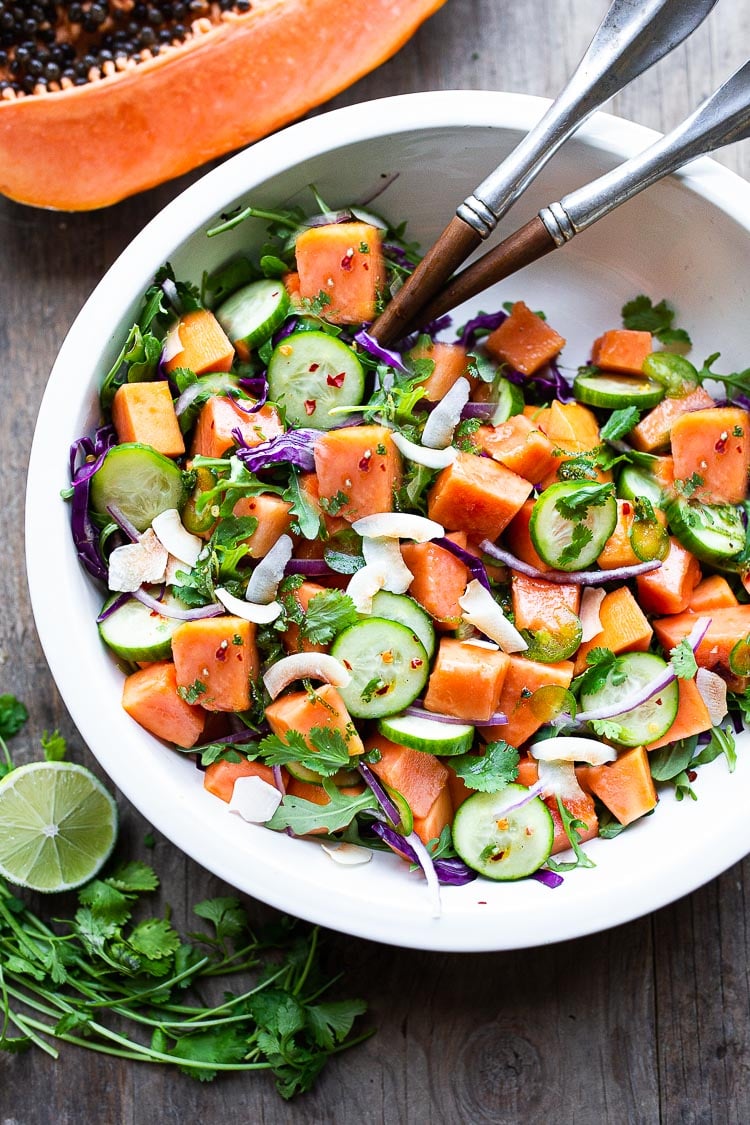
(443, 599)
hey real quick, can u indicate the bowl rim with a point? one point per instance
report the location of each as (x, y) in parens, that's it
(194, 208)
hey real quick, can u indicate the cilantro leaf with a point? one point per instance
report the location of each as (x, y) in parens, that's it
(572, 827)
(54, 746)
(575, 505)
(330, 1023)
(490, 772)
(13, 715)
(328, 613)
(225, 914)
(682, 659)
(223, 1045)
(619, 423)
(642, 315)
(155, 938)
(106, 902)
(607, 728)
(134, 877)
(580, 538)
(324, 750)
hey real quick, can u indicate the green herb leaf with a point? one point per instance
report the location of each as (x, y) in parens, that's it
(682, 659)
(13, 715)
(304, 816)
(225, 914)
(573, 828)
(642, 315)
(155, 938)
(619, 423)
(54, 746)
(490, 772)
(722, 742)
(306, 519)
(328, 613)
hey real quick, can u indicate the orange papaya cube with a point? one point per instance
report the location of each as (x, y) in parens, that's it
(518, 538)
(727, 626)
(219, 777)
(450, 362)
(213, 435)
(570, 426)
(291, 284)
(663, 469)
(457, 788)
(311, 488)
(670, 588)
(205, 345)
(476, 495)
(692, 716)
(624, 627)
(618, 550)
(524, 340)
(623, 350)
(420, 778)
(625, 786)
(341, 266)
(430, 826)
(150, 697)
(522, 679)
(466, 681)
(520, 446)
(714, 447)
(581, 808)
(538, 604)
(290, 638)
(358, 469)
(301, 712)
(145, 412)
(274, 520)
(652, 432)
(439, 579)
(216, 658)
(711, 593)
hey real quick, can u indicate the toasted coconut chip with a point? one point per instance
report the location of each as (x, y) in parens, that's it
(571, 748)
(248, 611)
(348, 855)
(254, 799)
(174, 536)
(305, 666)
(264, 581)
(558, 779)
(398, 525)
(385, 556)
(480, 609)
(423, 455)
(477, 642)
(364, 585)
(439, 427)
(591, 602)
(713, 692)
(137, 564)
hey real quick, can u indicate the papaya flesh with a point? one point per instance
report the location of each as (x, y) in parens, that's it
(248, 74)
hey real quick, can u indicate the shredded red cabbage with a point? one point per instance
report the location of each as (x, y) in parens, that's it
(289, 326)
(549, 879)
(488, 321)
(292, 448)
(474, 565)
(398, 255)
(312, 568)
(257, 386)
(551, 382)
(85, 534)
(481, 410)
(386, 355)
(450, 872)
(388, 806)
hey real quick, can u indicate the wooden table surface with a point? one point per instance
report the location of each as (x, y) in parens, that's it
(648, 1022)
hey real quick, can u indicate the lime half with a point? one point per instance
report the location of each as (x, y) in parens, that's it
(58, 825)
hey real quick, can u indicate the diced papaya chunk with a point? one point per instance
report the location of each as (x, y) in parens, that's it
(439, 579)
(344, 263)
(466, 681)
(216, 658)
(622, 349)
(150, 697)
(692, 716)
(670, 588)
(713, 448)
(625, 786)
(420, 778)
(518, 538)
(291, 638)
(727, 626)
(291, 284)
(301, 712)
(457, 788)
(205, 345)
(652, 432)
(220, 777)
(145, 412)
(450, 361)
(274, 520)
(538, 604)
(430, 826)
(524, 340)
(213, 434)
(711, 593)
(569, 426)
(618, 550)
(581, 808)
(358, 469)
(311, 487)
(522, 679)
(477, 495)
(624, 627)
(520, 446)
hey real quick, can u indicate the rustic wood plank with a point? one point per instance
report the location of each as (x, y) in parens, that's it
(647, 1022)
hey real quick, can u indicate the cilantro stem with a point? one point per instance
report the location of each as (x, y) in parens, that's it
(137, 997)
(254, 213)
(6, 754)
(308, 963)
(24, 1026)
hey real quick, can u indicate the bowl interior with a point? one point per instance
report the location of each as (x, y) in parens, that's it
(682, 240)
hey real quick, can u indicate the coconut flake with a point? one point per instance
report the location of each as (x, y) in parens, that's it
(477, 642)
(591, 602)
(348, 855)
(305, 666)
(384, 555)
(364, 584)
(172, 345)
(248, 611)
(398, 525)
(713, 691)
(442, 422)
(571, 748)
(137, 564)
(480, 609)
(174, 536)
(254, 799)
(558, 779)
(173, 571)
(265, 579)
(423, 455)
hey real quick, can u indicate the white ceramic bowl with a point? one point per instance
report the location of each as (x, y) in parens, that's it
(686, 239)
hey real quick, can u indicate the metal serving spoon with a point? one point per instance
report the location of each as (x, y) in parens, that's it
(633, 35)
(721, 119)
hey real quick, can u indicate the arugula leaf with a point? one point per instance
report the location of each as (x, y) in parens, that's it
(306, 519)
(642, 315)
(682, 659)
(13, 715)
(572, 827)
(619, 423)
(490, 772)
(722, 742)
(669, 761)
(327, 614)
(304, 816)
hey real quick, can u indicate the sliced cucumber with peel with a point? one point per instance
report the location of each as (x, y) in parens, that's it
(572, 541)
(388, 665)
(252, 314)
(714, 533)
(309, 373)
(429, 735)
(503, 845)
(137, 632)
(139, 481)
(649, 721)
(400, 607)
(634, 483)
(613, 392)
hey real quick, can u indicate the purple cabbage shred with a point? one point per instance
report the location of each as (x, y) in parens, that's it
(549, 879)
(257, 386)
(369, 344)
(85, 533)
(475, 566)
(292, 448)
(489, 321)
(450, 872)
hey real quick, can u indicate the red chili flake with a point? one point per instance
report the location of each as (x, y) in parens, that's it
(625, 508)
(365, 266)
(347, 665)
(221, 652)
(313, 367)
(346, 261)
(364, 464)
(310, 405)
(383, 690)
(336, 380)
(691, 775)
(416, 662)
(721, 444)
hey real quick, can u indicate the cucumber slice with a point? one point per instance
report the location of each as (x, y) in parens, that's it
(652, 719)
(399, 607)
(616, 391)
(428, 735)
(139, 481)
(510, 401)
(252, 314)
(714, 533)
(633, 483)
(311, 372)
(342, 778)
(503, 846)
(135, 632)
(388, 666)
(571, 522)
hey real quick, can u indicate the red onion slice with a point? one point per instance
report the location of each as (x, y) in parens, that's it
(497, 720)
(124, 523)
(213, 610)
(567, 577)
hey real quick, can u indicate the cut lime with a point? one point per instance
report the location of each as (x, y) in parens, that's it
(58, 825)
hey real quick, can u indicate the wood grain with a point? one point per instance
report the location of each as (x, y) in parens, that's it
(649, 1022)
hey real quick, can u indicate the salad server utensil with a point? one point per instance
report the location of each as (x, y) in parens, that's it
(724, 117)
(633, 35)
